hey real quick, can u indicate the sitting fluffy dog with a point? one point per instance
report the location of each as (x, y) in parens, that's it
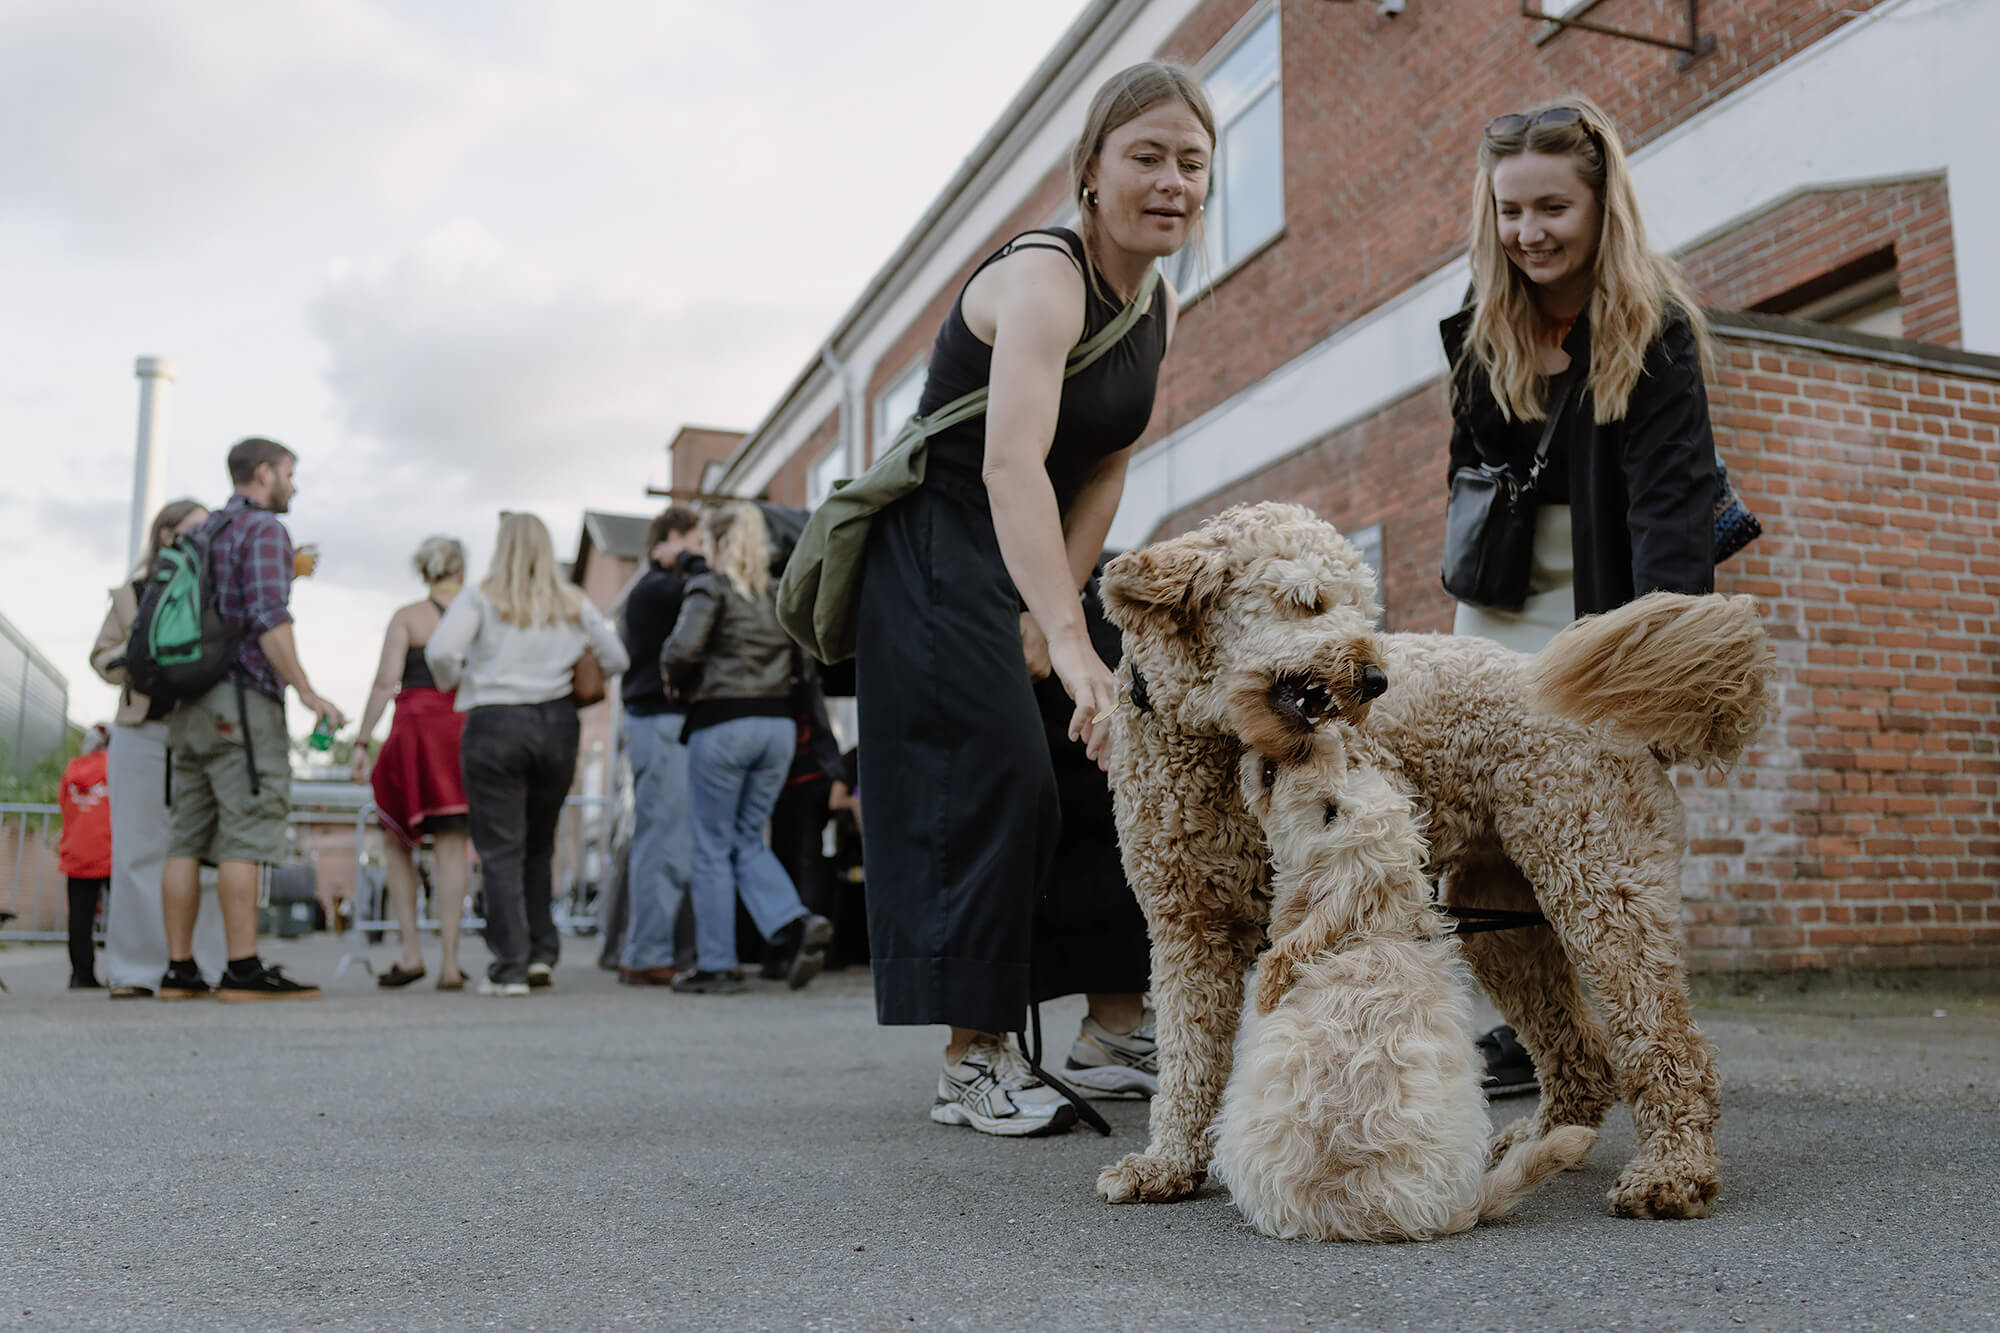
(1355, 1112)
(1545, 783)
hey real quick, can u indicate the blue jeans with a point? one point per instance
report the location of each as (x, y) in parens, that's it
(736, 771)
(662, 844)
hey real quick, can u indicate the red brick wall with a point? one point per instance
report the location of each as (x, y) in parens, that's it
(1821, 231)
(1864, 831)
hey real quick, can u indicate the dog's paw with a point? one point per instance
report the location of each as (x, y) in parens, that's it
(1524, 1130)
(1139, 1178)
(1648, 1188)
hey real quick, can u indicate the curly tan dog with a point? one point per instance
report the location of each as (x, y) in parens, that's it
(1545, 781)
(1355, 1111)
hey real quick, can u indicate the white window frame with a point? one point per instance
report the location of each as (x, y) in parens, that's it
(825, 470)
(881, 428)
(1191, 274)
(1368, 541)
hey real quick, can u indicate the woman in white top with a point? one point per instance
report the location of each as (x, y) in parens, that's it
(510, 648)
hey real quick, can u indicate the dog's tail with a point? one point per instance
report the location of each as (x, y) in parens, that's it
(1689, 676)
(1527, 1165)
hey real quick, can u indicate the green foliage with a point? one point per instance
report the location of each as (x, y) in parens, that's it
(40, 784)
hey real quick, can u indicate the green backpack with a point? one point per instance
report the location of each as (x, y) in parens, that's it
(181, 646)
(819, 596)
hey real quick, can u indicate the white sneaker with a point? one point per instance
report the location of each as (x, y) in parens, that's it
(1110, 1064)
(995, 1092)
(503, 988)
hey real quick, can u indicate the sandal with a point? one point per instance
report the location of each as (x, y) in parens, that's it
(396, 976)
(452, 983)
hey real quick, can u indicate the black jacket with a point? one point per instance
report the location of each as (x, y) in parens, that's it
(729, 654)
(651, 609)
(1642, 490)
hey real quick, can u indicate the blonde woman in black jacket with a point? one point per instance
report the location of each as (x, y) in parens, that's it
(1574, 314)
(735, 666)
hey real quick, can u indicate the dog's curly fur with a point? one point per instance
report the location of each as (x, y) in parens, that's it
(1543, 783)
(1355, 1110)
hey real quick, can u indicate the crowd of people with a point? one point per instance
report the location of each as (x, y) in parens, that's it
(984, 667)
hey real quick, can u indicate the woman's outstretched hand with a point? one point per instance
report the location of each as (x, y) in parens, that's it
(1089, 684)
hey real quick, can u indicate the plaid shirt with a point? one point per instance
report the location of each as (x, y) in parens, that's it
(253, 582)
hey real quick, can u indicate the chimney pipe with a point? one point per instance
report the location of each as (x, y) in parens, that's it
(149, 464)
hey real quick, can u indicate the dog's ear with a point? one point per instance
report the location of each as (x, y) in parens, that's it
(1170, 581)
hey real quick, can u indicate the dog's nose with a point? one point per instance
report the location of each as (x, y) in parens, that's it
(1374, 681)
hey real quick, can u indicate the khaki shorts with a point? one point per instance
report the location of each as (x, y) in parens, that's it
(214, 816)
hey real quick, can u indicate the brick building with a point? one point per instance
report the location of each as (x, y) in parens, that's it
(1816, 169)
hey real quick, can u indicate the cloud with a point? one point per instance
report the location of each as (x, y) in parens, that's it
(467, 379)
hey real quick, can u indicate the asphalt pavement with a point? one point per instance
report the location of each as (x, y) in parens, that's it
(605, 1156)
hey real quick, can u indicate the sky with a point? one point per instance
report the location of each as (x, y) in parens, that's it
(461, 255)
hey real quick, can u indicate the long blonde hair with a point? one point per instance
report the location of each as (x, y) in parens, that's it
(742, 547)
(1125, 96)
(523, 585)
(1635, 288)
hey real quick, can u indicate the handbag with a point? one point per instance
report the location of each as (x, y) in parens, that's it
(1489, 527)
(587, 679)
(820, 593)
(1735, 526)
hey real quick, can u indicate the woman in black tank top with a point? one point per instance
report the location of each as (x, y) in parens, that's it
(973, 582)
(418, 788)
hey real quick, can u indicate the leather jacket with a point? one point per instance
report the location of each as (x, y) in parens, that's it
(735, 644)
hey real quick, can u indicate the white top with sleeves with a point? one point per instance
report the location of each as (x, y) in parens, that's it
(491, 662)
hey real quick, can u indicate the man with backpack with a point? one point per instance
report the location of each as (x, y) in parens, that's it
(215, 633)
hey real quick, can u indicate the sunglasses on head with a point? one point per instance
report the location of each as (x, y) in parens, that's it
(1517, 122)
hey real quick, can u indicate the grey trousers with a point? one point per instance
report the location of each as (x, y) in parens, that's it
(135, 934)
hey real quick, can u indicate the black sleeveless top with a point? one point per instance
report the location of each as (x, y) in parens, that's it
(416, 667)
(1104, 407)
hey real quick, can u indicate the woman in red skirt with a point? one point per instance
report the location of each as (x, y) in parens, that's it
(418, 790)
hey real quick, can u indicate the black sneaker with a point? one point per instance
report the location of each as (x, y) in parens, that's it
(267, 983)
(708, 983)
(184, 982)
(1509, 1070)
(806, 940)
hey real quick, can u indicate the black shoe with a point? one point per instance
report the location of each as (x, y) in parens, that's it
(85, 983)
(812, 934)
(184, 981)
(266, 983)
(1509, 1070)
(708, 983)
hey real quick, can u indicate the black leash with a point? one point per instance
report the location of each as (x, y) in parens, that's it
(1479, 920)
(1033, 1055)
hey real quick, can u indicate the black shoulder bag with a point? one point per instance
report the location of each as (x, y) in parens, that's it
(1489, 526)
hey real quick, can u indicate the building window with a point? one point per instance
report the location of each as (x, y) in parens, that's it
(1246, 190)
(897, 404)
(828, 468)
(1369, 542)
(1862, 295)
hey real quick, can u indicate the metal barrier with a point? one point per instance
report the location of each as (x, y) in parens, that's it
(575, 909)
(28, 853)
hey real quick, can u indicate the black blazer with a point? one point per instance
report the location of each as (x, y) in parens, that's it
(1642, 489)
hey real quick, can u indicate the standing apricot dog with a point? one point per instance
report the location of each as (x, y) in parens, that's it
(1546, 781)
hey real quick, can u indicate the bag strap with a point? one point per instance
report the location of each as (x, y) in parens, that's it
(1083, 355)
(1541, 462)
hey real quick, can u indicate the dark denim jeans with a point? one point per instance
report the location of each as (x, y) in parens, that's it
(519, 760)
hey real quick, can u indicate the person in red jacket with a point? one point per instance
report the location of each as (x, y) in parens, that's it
(85, 850)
